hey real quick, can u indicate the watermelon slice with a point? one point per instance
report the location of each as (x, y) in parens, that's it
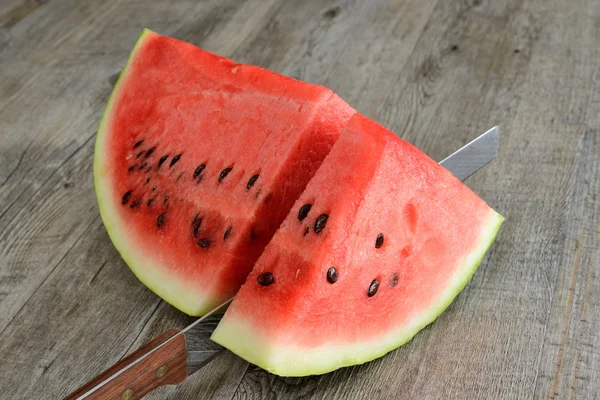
(377, 246)
(198, 160)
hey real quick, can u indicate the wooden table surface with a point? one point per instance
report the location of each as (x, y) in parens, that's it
(437, 72)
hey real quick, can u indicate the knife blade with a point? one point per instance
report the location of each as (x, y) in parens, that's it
(197, 350)
(467, 160)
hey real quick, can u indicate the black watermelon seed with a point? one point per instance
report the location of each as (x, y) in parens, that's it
(166, 199)
(251, 181)
(149, 169)
(134, 166)
(154, 188)
(162, 160)
(199, 170)
(138, 144)
(332, 275)
(306, 231)
(174, 160)
(224, 173)
(373, 287)
(144, 165)
(320, 223)
(304, 211)
(196, 224)
(140, 154)
(147, 180)
(394, 279)
(135, 203)
(150, 151)
(227, 233)
(379, 241)
(160, 221)
(126, 197)
(265, 279)
(149, 203)
(204, 243)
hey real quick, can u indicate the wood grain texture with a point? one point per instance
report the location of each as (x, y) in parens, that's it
(438, 73)
(160, 362)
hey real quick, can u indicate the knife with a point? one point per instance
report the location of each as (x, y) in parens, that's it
(176, 354)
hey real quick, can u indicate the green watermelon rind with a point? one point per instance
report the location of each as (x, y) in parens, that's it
(170, 290)
(247, 343)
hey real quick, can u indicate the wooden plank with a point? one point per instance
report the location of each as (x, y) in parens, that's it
(570, 360)
(69, 327)
(39, 222)
(46, 226)
(375, 52)
(12, 12)
(528, 325)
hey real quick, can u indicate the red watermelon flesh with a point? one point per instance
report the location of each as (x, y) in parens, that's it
(199, 159)
(403, 235)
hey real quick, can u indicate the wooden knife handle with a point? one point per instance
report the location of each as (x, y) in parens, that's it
(163, 365)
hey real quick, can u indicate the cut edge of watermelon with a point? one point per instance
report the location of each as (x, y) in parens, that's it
(244, 341)
(174, 292)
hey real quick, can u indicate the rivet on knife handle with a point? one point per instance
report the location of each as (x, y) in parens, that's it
(162, 361)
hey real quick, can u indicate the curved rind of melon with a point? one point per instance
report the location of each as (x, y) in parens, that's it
(246, 342)
(171, 290)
